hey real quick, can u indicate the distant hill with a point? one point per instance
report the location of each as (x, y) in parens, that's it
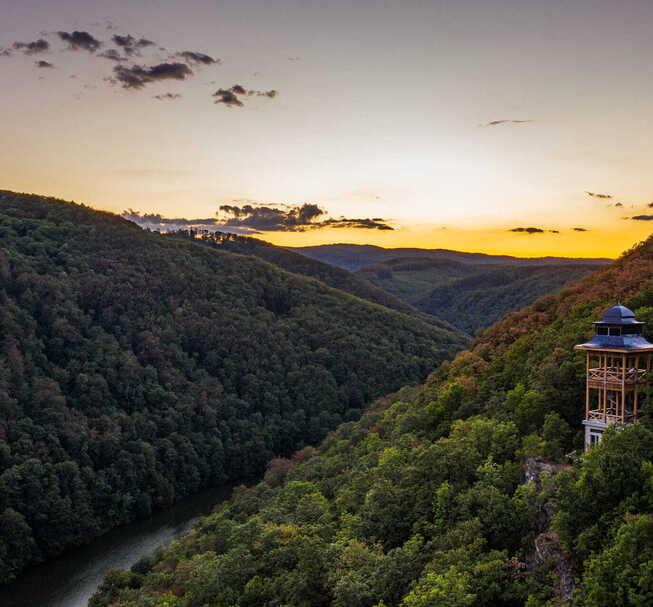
(354, 257)
(290, 261)
(471, 296)
(136, 369)
(471, 491)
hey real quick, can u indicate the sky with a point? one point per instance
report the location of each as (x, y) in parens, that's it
(516, 127)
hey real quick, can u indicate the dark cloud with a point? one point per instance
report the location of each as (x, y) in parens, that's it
(309, 216)
(167, 97)
(528, 230)
(554, 231)
(650, 205)
(43, 64)
(230, 97)
(80, 40)
(32, 48)
(113, 55)
(643, 217)
(197, 58)
(618, 204)
(580, 230)
(130, 45)
(254, 219)
(137, 76)
(498, 122)
(596, 195)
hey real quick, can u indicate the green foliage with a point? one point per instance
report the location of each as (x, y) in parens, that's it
(622, 574)
(136, 369)
(467, 295)
(335, 277)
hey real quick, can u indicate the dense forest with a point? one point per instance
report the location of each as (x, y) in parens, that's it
(486, 292)
(333, 276)
(471, 490)
(136, 369)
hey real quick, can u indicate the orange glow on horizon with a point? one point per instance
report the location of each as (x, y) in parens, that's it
(598, 242)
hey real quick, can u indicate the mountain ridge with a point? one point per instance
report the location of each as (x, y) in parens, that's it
(354, 257)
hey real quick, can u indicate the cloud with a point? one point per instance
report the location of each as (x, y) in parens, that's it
(528, 230)
(130, 45)
(32, 48)
(308, 216)
(619, 205)
(197, 58)
(580, 230)
(596, 195)
(137, 76)
(167, 97)
(650, 205)
(43, 64)
(5, 52)
(113, 55)
(80, 40)
(509, 121)
(642, 217)
(554, 231)
(255, 219)
(230, 97)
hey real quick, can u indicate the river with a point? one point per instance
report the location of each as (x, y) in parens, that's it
(71, 579)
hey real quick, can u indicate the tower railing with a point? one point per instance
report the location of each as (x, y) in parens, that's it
(615, 374)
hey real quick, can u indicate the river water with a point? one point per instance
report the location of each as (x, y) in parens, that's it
(71, 579)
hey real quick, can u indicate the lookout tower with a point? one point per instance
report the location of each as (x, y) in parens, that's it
(617, 364)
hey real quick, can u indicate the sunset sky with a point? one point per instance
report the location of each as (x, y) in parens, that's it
(453, 123)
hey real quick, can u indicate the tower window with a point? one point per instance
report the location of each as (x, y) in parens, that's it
(631, 330)
(602, 331)
(615, 331)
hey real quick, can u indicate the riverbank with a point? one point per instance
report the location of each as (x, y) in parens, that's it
(71, 579)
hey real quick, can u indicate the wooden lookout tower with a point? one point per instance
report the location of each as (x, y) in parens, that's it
(617, 365)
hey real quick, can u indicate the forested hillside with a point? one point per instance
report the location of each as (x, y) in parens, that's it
(487, 296)
(469, 491)
(136, 369)
(355, 256)
(333, 276)
(485, 292)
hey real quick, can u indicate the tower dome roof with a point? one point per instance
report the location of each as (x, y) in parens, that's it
(618, 315)
(618, 330)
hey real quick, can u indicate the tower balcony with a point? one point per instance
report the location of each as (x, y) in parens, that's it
(610, 417)
(615, 375)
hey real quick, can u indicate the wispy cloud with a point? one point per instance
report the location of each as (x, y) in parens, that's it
(232, 97)
(528, 230)
(137, 76)
(642, 217)
(80, 40)
(32, 48)
(597, 195)
(196, 58)
(505, 121)
(113, 55)
(580, 229)
(167, 96)
(130, 45)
